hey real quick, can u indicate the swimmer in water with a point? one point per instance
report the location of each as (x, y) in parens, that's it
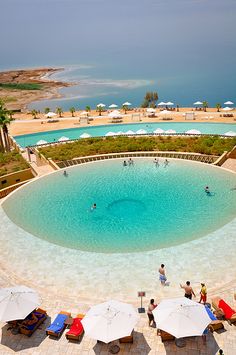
(156, 162)
(94, 206)
(65, 173)
(207, 189)
(130, 161)
(125, 163)
(166, 162)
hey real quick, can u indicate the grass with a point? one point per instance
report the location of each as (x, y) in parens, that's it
(21, 86)
(95, 146)
(11, 162)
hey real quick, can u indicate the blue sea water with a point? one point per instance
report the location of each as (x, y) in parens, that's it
(140, 207)
(98, 131)
(118, 50)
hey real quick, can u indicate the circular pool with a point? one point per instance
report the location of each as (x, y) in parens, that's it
(139, 207)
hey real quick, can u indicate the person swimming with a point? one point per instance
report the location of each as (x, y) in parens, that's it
(156, 161)
(125, 163)
(93, 207)
(207, 190)
(166, 162)
(130, 161)
(65, 173)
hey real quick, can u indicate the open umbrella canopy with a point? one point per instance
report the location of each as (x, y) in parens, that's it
(113, 106)
(151, 110)
(109, 321)
(161, 103)
(84, 113)
(101, 105)
(110, 134)
(228, 103)
(230, 134)
(170, 131)
(169, 103)
(198, 103)
(17, 302)
(227, 108)
(41, 142)
(193, 131)
(164, 112)
(120, 133)
(181, 317)
(141, 131)
(63, 139)
(130, 133)
(115, 114)
(126, 103)
(50, 114)
(159, 130)
(85, 135)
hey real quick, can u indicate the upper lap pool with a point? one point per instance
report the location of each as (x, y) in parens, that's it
(139, 208)
(97, 131)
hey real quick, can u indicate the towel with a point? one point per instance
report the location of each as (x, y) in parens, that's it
(58, 323)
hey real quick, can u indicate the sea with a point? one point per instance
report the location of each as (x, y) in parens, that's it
(116, 51)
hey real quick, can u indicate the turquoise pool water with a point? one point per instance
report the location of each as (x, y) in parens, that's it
(140, 207)
(97, 131)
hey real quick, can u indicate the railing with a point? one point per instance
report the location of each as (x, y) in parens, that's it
(209, 159)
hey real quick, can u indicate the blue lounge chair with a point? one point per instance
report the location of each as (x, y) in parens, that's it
(215, 323)
(58, 325)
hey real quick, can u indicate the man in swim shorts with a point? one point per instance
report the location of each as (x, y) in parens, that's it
(188, 290)
(162, 274)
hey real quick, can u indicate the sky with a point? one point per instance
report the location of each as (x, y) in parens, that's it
(159, 40)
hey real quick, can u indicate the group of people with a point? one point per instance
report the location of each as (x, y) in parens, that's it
(156, 162)
(128, 163)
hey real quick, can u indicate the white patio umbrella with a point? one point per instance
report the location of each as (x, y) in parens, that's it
(50, 114)
(151, 110)
(120, 133)
(169, 103)
(109, 321)
(230, 133)
(164, 112)
(198, 103)
(130, 133)
(84, 113)
(181, 317)
(101, 105)
(141, 131)
(110, 134)
(17, 302)
(115, 114)
(126, 104)
(228, 103)
(227, 108)
(113, 106)
(85, 135)
(193, 131)
(161, 103)
(170, 131)
(159, 130)
(41, 142)
(63, 139)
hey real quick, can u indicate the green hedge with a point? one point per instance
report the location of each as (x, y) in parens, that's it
(94, 146)
(11, 162)
(21, 86)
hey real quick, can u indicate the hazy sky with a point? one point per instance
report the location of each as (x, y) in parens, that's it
(154, 38)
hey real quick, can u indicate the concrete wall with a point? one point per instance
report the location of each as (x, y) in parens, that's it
(15, 178)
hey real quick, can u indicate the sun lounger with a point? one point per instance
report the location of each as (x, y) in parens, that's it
(164, 335)
(223, 308)
(58, 325)
(127, 339)
(215, 323)
(76, 330)
(28, 329)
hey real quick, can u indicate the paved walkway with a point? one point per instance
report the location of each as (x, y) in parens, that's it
(230, 164)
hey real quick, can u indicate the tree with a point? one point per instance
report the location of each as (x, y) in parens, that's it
(205, 105)
(59, 111)
(34, 113)
(151, 98)
(145, 104)
(125, 108)
(72, 111)
(218, 106)
(88, 108)
(100, 110)
(5, 120)
(46, 110)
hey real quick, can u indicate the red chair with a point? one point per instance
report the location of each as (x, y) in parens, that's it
(76, 330)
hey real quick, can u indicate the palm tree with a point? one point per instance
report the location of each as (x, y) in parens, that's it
(59, 111)
(218, 106)
(125, 108)
(46, 110)
(72, 111)
(34, 113)
(100, 110)
(5, 119)
(205, 105)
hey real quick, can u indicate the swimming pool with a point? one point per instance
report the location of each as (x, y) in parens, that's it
(97, 131)
(140, 207)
